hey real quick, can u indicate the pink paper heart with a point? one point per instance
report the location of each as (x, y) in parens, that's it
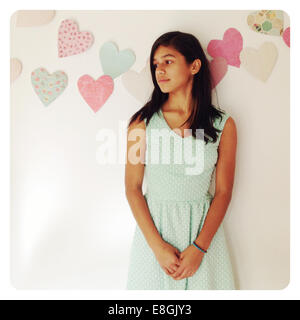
(218, 68)
(95, 92)
(228, 48)
(71, 41)
(286, 36)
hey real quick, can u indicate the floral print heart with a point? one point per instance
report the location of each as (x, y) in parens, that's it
(71, 41)
(228, 48)
(48, 86)
(268, 22)
(95, 92)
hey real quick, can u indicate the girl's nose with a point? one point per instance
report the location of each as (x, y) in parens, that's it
(159, 70)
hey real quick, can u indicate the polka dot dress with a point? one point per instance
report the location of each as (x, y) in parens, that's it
(178, 200)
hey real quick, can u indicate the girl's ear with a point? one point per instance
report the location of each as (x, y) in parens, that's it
(196, 66)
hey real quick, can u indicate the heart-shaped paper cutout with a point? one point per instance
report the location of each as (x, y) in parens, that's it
(266, 21)
(139, 84)
(15, 69)
(33, 18)
(261, 62)
(114, 62)
(95, 92)
(71, 41)
(286, 36)
(218, 68)
(48, 86)
(228, 48)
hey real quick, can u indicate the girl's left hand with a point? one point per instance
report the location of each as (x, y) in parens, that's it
(190, 260)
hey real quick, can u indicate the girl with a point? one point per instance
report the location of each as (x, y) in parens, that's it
(179, 241)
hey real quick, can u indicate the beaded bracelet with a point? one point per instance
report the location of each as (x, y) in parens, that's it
(202, 250)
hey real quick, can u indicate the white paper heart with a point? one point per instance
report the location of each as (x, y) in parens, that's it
(32, 18)
(139, 84)
(15, 69)
(261, 62)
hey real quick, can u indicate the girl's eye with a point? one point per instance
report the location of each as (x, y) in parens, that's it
(155, 65)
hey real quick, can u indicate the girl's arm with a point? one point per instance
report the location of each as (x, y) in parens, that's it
(225, 170)
(134, 174)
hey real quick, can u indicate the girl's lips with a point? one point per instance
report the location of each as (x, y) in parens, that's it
(163, 80)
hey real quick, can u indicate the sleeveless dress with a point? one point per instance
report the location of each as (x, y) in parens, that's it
(178, 203)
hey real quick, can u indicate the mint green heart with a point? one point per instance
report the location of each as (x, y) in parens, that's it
(48, 86)
(113, 62)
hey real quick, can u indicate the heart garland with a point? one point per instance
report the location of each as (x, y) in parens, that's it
(71, 41)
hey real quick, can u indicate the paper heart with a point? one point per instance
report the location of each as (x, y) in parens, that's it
(268, 22)
(260, 63)
(48, 86)
(228, 48)
(32, 18)
(114, 62)
(286, 36)
(95, 92)
(139, 84)
(218, 68)
(15, 69)
(71, 41)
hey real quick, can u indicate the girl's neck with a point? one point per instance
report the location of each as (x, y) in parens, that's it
(180, 102)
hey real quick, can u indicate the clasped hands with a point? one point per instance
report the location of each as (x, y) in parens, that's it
(179, 265)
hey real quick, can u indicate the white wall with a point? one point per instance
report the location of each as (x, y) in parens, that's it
(71, 226)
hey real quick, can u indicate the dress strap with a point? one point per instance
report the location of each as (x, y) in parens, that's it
(220, 124)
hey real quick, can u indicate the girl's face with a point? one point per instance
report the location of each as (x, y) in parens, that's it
(171, 70)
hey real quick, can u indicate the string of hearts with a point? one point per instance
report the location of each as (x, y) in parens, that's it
(258, 62)
(228, 51)
(71, 41)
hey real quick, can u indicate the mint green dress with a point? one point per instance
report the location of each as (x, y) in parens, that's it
(178, 203)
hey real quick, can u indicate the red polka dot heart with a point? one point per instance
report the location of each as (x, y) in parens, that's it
(71, 41)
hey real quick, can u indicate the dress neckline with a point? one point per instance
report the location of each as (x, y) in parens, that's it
(170, 129)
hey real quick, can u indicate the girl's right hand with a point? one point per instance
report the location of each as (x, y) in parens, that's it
(168, 257)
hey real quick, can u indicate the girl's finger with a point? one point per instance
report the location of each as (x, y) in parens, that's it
(178, 273)
(171, 269)
(166, 271)
(175, 266)
(182, 275)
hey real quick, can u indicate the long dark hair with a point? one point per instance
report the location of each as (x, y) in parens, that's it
(203, 112)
